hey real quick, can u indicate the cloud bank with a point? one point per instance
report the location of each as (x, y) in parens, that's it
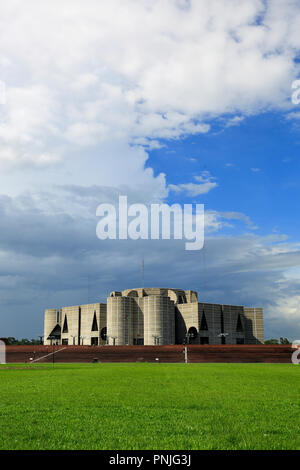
(91, 87)
(81, 74)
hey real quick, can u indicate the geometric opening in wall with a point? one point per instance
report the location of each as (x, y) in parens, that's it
(204, 340)
(65, 327)
(192, 332)
(55, 333)
(95, 324)
(240, 341)
(138, 341)
(239, 325)
(132, 293)
(181, 299)
(203, 325)
(103, 333)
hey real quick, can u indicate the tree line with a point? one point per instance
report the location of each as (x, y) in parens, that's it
(275, 341)
(11, 341)
(32, 342)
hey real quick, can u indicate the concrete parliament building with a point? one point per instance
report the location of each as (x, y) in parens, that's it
(153, 316)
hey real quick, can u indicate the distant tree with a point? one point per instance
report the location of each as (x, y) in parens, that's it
(284, 341)
(271, 341)
(275, 341)
(11, 340)
(24, 341)
(35, 341)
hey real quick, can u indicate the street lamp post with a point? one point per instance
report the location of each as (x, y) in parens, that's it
(156, 339)
(41, 338)
(188, 336)
(223, 336)
(113, 339)
(53, 349)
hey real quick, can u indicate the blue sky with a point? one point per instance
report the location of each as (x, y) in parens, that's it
(256, 166)
(177, 101)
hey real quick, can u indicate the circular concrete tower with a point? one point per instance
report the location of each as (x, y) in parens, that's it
(159, 320)
(119, 320)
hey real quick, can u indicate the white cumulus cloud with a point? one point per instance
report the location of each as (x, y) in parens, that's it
(83, 73)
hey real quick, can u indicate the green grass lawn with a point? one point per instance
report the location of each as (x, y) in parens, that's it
(150, 406)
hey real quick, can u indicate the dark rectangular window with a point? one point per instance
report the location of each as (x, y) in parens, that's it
(204, 340)
(65, 342)
(138, 341)
(94, 341)
(240, 341)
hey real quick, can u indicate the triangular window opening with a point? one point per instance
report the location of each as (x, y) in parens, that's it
(55, 333)
(95, 323)
(239, 325)
(65, 327)
(203, 325)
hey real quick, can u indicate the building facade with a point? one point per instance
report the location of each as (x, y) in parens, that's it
(153, 316)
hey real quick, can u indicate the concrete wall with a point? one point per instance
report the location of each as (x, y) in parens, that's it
(73, 334)
(150, 319)
(152, 316)
(138, 320)
(79, 323)
(119, 320)
(219, 319)
(87, 316)
(159, 320)
(51, 317)
(254, 325)
(231, 314)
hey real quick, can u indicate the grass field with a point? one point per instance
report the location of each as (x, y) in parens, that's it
(150, 406)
